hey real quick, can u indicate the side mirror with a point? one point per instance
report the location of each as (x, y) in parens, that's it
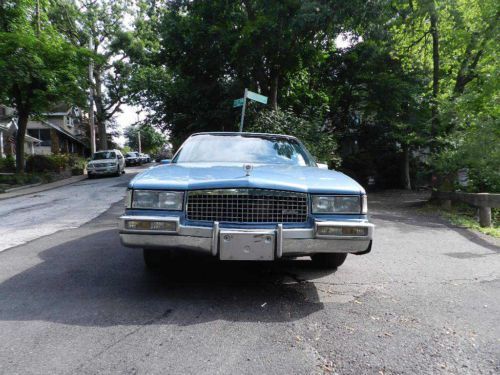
(165, 161)
(322, 165)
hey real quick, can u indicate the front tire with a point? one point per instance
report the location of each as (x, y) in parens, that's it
(329, 261)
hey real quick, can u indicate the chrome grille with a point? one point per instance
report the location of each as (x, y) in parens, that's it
(247, 206)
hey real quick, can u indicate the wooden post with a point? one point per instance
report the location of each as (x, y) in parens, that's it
(446, 204)
(484, 211)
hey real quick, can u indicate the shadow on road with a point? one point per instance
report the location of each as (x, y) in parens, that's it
(400, 207)
(94, 281)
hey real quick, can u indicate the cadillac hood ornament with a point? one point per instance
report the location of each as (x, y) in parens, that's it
(247, 168)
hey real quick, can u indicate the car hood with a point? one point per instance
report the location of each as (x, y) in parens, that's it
(193, 176)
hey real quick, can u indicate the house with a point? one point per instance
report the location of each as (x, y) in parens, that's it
(61, 130)
(8, 127)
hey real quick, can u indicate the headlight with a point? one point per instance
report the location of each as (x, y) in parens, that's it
(159, 200)
(336, 204)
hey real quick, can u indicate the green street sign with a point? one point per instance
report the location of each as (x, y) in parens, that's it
(257, 97)
(238, 102)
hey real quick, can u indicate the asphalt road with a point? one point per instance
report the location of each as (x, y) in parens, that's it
(426, 300)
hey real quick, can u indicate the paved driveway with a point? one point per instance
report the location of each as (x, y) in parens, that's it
(425, 301)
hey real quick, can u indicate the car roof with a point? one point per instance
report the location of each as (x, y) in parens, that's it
(245, 133)
(114, 150)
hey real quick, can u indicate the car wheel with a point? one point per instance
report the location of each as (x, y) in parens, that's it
(329, 261)
(89, 176)
(154, 258)
(118, 172)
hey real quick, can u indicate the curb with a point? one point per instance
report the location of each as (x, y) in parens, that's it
(22, 187)
(26, 190)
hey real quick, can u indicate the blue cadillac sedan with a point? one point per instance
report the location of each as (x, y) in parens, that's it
(246, 196)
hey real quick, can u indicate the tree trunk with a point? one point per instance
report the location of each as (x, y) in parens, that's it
(406, 167)
(100, 111)
(435, 66)
(273, 90)
(22, 124)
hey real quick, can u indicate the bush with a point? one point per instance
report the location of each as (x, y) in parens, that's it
(7, 164)
(20, 179)
(476, 148)
(42, 163)
(53, 163)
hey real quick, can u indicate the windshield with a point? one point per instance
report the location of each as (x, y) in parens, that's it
(104, 155)
(131, 154)
(259, 149)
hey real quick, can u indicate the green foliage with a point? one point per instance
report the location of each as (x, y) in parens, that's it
(9, 181)
(7, 164)
(152, 141)
(476, 148)
(192, 58)
(310, 130)
(41, 163)
(39, 67)
(54, 163)
(466, 216)
(39, 71)
(387, 100)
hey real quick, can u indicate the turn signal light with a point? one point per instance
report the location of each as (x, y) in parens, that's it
(342, 231)
(164, 226)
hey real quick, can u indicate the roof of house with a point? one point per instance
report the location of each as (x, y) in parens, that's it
(31, 139)
(61, 130)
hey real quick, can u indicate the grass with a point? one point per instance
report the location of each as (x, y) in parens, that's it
(465, 216)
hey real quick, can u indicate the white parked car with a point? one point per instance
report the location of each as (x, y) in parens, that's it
(109, 162)
(144, 158)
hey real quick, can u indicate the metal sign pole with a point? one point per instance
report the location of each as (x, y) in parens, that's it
(243, 110)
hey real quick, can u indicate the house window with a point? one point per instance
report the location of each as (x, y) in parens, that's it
(41, 134)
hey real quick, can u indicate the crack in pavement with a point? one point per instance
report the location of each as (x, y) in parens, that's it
(147, 323)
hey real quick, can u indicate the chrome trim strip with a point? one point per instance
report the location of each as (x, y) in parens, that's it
(215, 238)
(279, 241)
(245, 191)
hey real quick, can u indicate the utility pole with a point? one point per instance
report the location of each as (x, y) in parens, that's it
(139, 140)
(91, 99)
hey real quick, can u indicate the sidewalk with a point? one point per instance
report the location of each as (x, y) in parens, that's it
(36, 189)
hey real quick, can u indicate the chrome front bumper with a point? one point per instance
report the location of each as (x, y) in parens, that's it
(287, 241)
(106, 170)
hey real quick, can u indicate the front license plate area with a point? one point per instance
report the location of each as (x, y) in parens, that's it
(236, 245)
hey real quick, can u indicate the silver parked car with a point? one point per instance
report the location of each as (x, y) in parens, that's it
(109, 162)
